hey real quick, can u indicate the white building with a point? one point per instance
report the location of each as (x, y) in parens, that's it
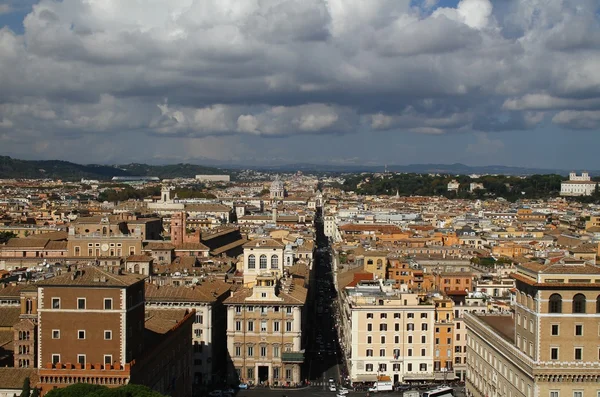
(277, 189)
(213, 178)
(262, 257)
(475, 186)
(578, 185)
(453, 185)
(391, 334)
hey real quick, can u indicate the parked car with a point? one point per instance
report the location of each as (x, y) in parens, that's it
(243, 386)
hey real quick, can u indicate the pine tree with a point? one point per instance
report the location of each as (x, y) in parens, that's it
(26, 390)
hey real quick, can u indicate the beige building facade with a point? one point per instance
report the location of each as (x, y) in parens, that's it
(264, 332)
(391, 333)
(550, 346)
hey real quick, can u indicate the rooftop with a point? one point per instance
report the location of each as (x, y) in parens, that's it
(504, 325)
(92, 276)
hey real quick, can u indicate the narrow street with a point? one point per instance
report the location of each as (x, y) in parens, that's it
(323, 355)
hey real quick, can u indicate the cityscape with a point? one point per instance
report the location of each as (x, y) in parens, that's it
(298, 198)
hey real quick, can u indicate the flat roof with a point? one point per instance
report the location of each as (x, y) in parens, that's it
(504, 325)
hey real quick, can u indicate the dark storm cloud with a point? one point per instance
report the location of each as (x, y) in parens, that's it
(224, 68)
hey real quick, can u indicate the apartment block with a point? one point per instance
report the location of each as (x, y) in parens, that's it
(392, 333)
(264, 331)
(550, 346)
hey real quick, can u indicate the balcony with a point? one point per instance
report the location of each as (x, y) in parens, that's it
(292, 357)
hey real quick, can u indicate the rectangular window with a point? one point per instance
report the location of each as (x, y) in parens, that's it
(199, 318)
(423, 315)
(250, 326)
(369, 327)
(554, 330)
(81, 303)
(383, 327)
(55, 358)
(423, 367)
(369, 315)
(55, 334)
(423, 354)
(383, 315)
(81, 359)
(553, 393)
(578, 330)
(108, 359)
(577, 394)
(409, 367)
(81, 334)
(578, 353)
(107, 303)
(238, 309)
(396, 315)
(263, 351)
(238, 351)
(275, 326)
(250, 351)
(554, 353)
(107, 335)
(263, 326)
(288, 326)
(275, 351)
(288, 310)
(56, 303)
(238, 325)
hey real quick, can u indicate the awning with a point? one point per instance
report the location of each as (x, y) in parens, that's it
(365, 378)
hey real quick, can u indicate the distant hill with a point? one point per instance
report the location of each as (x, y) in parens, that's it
(57, 169)
(452, 169)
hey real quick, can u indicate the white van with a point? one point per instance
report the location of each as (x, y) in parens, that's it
(382, 386)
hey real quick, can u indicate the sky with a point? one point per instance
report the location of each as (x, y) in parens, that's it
(262, 82)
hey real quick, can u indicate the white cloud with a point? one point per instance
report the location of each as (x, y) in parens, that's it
(196, 68)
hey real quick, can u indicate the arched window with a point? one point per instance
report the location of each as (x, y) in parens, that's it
(251, 262)
(274, 262)
(263, 261)
(579, 303)
(555, 304)
(598, 304)
(104, 231)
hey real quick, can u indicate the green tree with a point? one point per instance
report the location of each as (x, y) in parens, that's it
(35, 393)
(86, 390)
(5, 236)
(26, 389)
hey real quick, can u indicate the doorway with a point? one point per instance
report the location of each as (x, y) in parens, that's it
(263, 373)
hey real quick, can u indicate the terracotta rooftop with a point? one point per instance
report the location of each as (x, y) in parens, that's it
(161, 321)
(12, 378)
(14, 291)
(159, 245)
(263, 243)
(192, 247)
(208, 291)
(92, 276)
(9, 315)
